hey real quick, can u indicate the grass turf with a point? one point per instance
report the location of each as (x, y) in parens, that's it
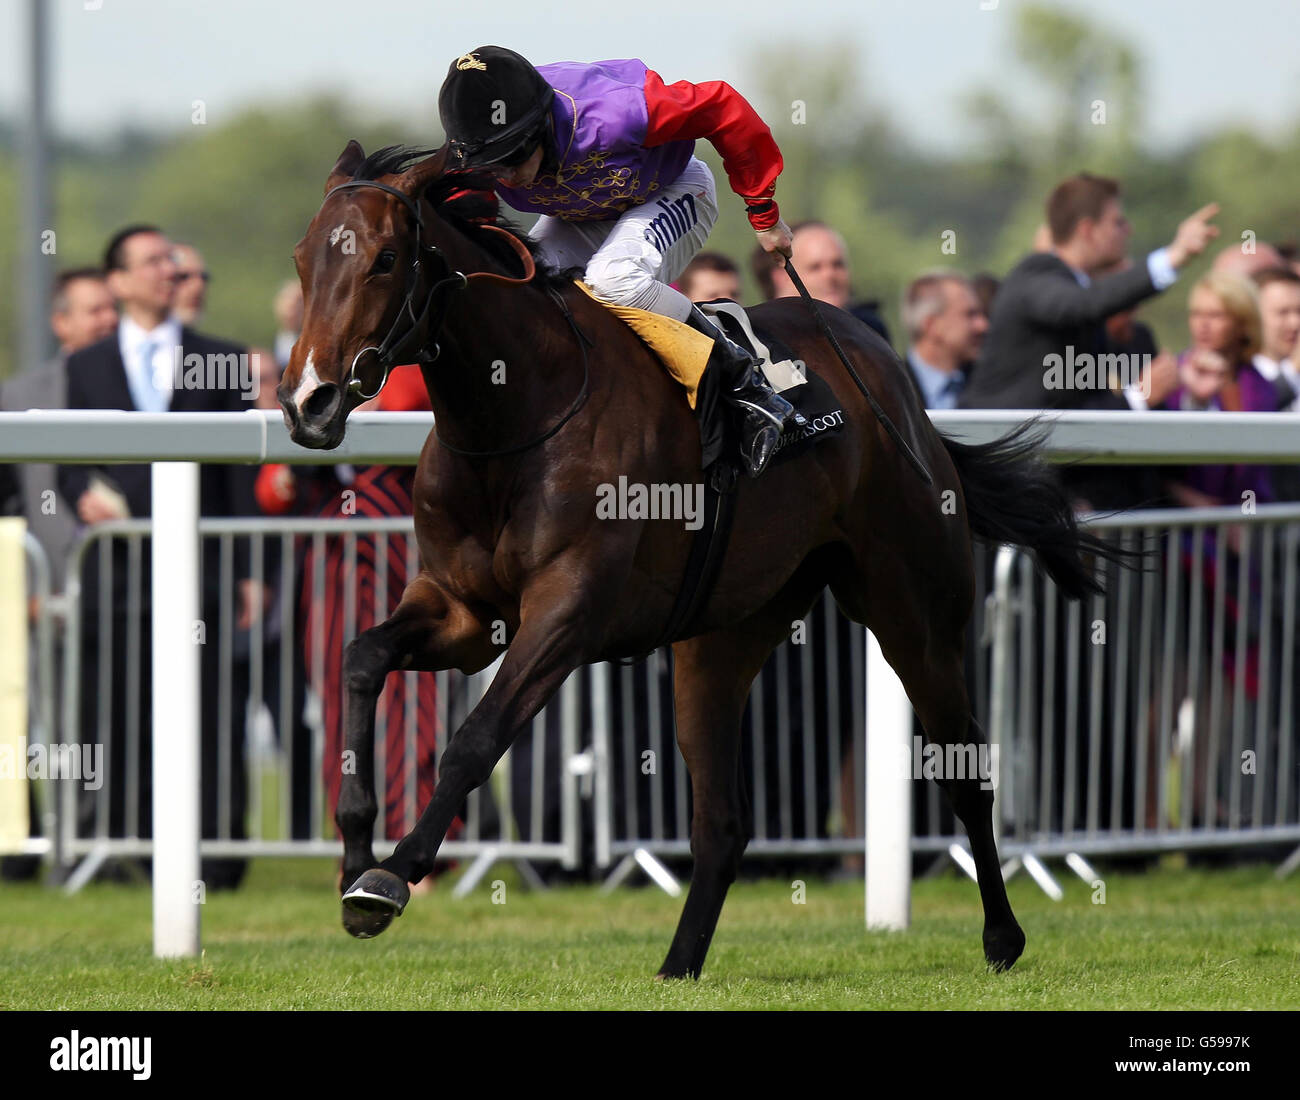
(1167, 939)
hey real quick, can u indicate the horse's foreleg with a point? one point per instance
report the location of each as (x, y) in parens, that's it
(550, 644)
(409, 638)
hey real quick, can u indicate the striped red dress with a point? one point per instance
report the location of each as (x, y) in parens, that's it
(359, 594)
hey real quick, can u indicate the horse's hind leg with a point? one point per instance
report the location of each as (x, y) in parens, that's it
(709, 690)
(970, 793)
(921, 633)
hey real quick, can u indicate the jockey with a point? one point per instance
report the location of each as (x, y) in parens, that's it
(604, 153)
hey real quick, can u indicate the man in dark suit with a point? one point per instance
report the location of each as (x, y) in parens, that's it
(81, 313)
(1047, 336)
(1047, 348)
(152, 364)
(945, 325)
(821, 257)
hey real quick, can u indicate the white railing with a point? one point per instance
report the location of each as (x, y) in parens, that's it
(258, 436)
(175, 441)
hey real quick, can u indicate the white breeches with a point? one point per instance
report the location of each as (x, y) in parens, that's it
(631, 259)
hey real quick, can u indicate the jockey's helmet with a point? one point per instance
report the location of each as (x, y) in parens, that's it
(494, 108)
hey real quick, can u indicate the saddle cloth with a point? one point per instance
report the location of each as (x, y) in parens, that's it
(685, 352)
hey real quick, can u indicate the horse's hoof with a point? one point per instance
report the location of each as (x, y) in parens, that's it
(673, 974)
(373, 901)
(1003, 946)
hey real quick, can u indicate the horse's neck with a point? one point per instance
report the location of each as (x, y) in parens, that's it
(499, 379)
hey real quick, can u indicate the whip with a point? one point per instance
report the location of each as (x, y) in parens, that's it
(881, 415)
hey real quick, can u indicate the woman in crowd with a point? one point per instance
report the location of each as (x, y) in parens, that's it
(1216, 375)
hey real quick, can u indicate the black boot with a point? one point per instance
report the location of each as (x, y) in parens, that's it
(766, 414)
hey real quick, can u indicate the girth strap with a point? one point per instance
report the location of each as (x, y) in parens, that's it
(703, 563)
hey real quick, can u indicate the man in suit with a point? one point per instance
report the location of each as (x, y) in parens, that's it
(139, 368)
(709, 276)
(1279, 314)
(81, 313)
(821, 256)
(1045, 338)
(192, 278)
(1278, 359)
(1048, 325)
(945, 328)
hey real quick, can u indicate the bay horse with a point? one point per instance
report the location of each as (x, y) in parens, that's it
(540, 396)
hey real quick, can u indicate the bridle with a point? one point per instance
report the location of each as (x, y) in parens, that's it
(396, 345)
(397, 342)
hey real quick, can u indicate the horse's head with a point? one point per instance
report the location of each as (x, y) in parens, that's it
(358, 266)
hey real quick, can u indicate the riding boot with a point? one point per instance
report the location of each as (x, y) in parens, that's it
(766, 413)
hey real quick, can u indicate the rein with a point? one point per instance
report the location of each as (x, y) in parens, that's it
(394, 346)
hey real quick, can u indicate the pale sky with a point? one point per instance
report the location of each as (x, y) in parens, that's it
(144, 62)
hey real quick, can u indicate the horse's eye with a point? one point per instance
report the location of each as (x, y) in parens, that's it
(384, 261)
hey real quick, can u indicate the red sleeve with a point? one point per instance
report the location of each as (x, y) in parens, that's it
(404, 391)
(716, 111)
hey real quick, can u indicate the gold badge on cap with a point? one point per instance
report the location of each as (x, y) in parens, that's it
(469, 61)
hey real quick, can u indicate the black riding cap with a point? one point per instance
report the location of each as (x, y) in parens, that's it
(492, 102)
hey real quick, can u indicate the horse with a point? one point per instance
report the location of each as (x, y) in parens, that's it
(541, 395)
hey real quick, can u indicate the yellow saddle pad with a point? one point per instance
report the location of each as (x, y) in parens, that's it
(683, 351)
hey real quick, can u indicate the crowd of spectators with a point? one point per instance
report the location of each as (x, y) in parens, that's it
(979, 341)
(1058, 331)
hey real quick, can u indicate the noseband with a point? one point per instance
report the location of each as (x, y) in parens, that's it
(407, 326)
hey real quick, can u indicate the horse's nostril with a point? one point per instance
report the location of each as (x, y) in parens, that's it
(320, 402)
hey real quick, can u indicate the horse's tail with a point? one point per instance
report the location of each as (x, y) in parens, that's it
(1013, 496)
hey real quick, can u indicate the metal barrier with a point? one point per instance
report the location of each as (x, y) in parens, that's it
(803, 749)
(1083, 789)
(272, 800)
(1162, 715)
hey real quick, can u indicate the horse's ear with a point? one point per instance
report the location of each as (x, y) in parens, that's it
(346, 166)
(416, 178)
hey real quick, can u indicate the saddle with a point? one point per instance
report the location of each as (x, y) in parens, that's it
(684, 353)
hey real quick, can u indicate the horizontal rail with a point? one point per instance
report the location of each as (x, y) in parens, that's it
(1124, 438)
(1106, 438)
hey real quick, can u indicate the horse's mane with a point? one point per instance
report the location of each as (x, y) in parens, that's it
(467, 202)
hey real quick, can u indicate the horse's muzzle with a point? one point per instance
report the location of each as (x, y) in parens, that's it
(318, 421)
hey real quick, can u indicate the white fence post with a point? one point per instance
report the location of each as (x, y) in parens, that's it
(888, 870)
(177, 891)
